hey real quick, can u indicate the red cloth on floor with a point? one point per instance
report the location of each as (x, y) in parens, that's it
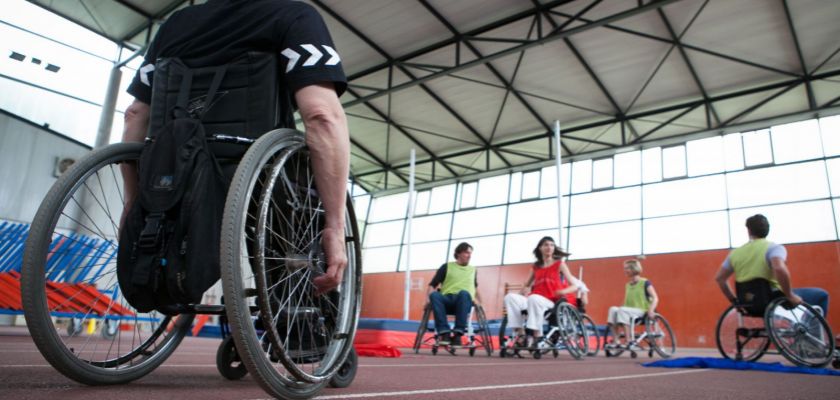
(376, 350)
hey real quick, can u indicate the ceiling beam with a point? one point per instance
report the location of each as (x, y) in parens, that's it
(655, 4)
(812, 101)
(425, 88)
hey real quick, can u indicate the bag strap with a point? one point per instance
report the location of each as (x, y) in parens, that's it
(214, 88)
(180, 109)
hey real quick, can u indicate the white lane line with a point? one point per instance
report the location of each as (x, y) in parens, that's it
(498, 387)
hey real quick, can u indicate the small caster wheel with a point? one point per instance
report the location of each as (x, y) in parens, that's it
(537, 355)
(836, 363)
(633, 354)
(503, 352)
(347, 372)
(434, 350)
(556, 353)
(228, 362)
(110, 328)
(472, 351)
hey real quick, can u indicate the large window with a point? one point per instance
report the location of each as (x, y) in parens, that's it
(686, 197)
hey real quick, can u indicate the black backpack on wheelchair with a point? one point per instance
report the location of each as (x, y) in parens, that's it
(755, 295)
(169, 243)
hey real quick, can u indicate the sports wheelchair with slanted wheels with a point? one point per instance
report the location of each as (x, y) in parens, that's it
(478, 337)
(565, 330)
(645, 334)
(291, 341)
(762, 316)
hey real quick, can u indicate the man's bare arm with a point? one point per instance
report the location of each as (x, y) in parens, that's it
(134, 130)
(782, 274)
(722, 279)
(328, 139)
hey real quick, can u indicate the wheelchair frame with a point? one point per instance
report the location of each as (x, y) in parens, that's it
(753, 338)
(647, 341)
(476, 338)
(259, 277)
(565, 332)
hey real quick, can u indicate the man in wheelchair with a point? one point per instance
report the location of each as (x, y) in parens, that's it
(791, 318)
(311, 79)
(762, 259)
(453, 290)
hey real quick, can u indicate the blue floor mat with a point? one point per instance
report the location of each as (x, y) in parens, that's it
(722, 363)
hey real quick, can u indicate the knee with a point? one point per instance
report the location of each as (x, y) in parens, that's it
(435, 296)
(464, 295)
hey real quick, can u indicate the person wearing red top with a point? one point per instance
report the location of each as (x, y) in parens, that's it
(549, 281)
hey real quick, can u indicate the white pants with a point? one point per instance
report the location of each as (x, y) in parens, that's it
(536, 306)
(624, 315)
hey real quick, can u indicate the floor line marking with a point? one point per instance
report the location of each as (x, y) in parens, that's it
(497, 387)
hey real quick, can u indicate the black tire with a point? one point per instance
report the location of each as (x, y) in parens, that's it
(592, 334)
(434, 350)
(484, 331)
(88, 201)
(800, 333)
(732, 327)
(345, 375)
(228, 361)
(422, 328)
(661, 336)
(503, 338)
(264, 274)
(572, 332)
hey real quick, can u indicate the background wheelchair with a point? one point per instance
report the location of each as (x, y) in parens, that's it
(292, 342)
(565, 330)
(478, 337)
(644, 334)
(762, 316)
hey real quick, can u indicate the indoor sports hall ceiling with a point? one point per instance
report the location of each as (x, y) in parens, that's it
(475, 85)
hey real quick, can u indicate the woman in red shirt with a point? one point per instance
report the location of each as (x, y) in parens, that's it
(550, 280)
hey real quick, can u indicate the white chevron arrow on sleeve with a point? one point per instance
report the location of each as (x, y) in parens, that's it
(144, 73)
(293, 57)
(334, 58)
(316, 55)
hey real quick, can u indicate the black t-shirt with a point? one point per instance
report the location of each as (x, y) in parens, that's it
(218, 31)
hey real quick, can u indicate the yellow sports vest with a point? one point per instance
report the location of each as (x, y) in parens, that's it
(749, 262)
(635, 296)
(458, 278)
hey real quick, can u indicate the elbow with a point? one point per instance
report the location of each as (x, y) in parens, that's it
(324, 119)
(137, 112)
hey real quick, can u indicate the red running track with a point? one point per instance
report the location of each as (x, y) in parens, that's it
(191, 374)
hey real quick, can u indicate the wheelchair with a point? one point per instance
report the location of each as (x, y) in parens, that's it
(478, 337)
(762, 316)
(651, 335)
(565, 330)
(594, 340)
(292, 342)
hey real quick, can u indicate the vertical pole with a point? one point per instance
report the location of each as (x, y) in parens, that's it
(407, 300)
(109, 105)
(559, 160)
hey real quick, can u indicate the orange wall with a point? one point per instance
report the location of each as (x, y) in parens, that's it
(689, 297)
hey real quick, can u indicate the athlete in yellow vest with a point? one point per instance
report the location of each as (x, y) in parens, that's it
(760, 258)
(640, 299)
(458, 290)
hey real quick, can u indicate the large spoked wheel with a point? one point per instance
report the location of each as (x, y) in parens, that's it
(484, 331)
(572, 331)
(291, 340)
(800, 333)
(422, 328)
(741, 337)
(69, 276)
(592, 334)
(661, 336)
